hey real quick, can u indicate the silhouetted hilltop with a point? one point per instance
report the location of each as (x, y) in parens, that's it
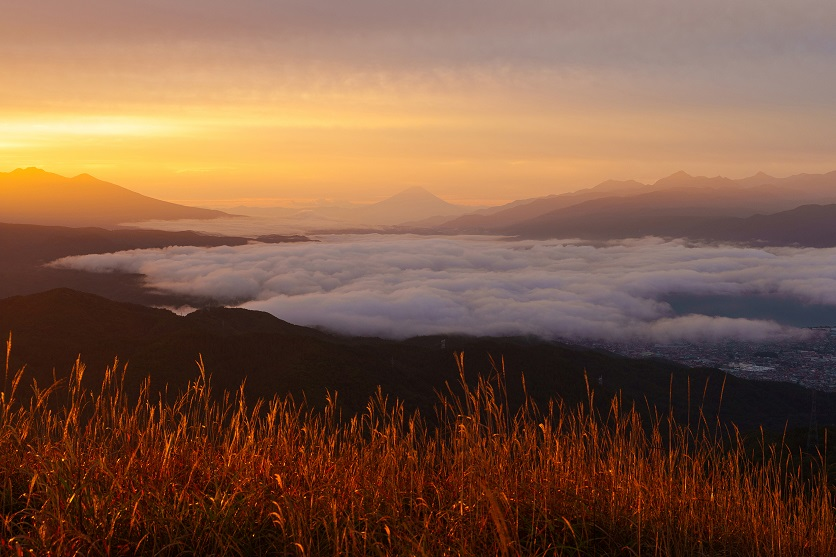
(36, 243)
(809, 225)
(34, 196)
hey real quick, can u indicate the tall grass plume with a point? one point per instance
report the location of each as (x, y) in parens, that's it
(95, 472)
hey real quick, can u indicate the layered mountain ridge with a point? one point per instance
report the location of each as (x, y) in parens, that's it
(759, 209)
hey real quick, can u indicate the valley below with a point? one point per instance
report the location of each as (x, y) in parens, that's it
(257, 377)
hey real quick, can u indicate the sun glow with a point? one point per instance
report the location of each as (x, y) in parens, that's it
(59, 128)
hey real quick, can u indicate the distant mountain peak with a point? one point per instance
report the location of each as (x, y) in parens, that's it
(416, 189)
(410, 205)
(413, 197)
(675, 179)
(760, 175)
(415, 192)
(759, 179)
(29, 171)
(682, 179)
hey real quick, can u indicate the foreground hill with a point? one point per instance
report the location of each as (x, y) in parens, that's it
(94, 471)
(34, 196)
(51, 329)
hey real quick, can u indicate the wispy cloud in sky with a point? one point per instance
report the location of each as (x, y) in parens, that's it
(463, 96)
(746, 43)
(400, 287)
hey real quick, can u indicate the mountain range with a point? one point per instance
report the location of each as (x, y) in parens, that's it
(34, 196)
(761, 210)
(807, 226)
(757, 209)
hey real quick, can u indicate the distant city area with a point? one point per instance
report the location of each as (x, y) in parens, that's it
(810, 362)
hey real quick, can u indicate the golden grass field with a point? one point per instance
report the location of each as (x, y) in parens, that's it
(94, 473)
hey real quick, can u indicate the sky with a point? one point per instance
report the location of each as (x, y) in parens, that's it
(285, 101)
(408, 285)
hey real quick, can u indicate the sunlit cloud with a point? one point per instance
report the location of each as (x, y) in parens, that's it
(5, 144)
(39, 130)
(85, 127)
(399, 287)
(513, 99)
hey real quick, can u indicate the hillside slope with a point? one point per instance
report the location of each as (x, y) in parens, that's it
(51, 329)
(25, 248)
(806, 226)
(34, 196)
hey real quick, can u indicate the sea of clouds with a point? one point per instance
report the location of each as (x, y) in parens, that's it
(401, 286)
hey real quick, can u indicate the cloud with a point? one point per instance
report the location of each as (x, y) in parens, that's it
(746, 44)
(400, 286)
(708, 26)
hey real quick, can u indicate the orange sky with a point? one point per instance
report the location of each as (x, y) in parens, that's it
(480, 102)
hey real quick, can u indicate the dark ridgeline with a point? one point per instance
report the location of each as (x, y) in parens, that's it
(51, 329)
(25, 249)
(807, 226)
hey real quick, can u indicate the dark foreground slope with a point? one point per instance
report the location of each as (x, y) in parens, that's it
(51, 329)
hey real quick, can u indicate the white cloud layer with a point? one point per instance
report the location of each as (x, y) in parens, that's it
(404, 286)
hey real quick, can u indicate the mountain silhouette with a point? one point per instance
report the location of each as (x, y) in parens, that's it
(679, 205)
(496, 219)
(806, 226)
(758, 179)
(34, 196)
(413, 205)
(809, 226)
(493, 221)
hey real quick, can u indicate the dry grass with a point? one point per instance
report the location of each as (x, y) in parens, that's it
(100, 475)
